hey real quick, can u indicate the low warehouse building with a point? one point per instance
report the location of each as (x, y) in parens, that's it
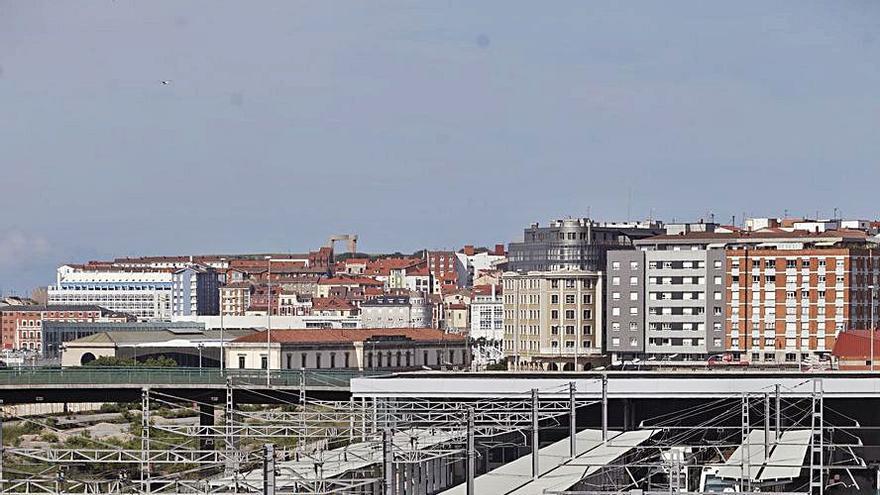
(186, 346)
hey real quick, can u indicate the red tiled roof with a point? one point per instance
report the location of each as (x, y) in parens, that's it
(331, 303)
(367, 281)
(486, 290)
(762, 234)
(332, 335)
(855, 344)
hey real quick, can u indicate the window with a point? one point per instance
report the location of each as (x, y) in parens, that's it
(318, 360)
(615, 341)
(569, 314)
(554, 299)
(588, 329)
(614, 326)
(633, 296)
(634, 310)
(554, 314)
(633, 325)
(264, 362)
(633, 265)
(569, 299)
(615, 311)
(716, 280)
(634, 281)
(241, 360)
(588, 299)
(615, 265)
(615, 280)
(717, 264)
(615, 295)
(588, 314)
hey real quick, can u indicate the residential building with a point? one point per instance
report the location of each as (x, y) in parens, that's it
(277, 321)
(332, 306)
(361, 349)
(413, 311)
(665, 303)
(145, 293)
(21, 327)
(235, 298)
(294, 304)
(448, 271)
(458, 318)
(487, 316)
(195, 291)
(787, 292)
(326, 285)
(791, 301)
(476, 260)
(574, 243)
(553, 319)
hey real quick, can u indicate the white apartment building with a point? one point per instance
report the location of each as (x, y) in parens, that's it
(487, 317)
(413, 311)
(144, 294)
(195, 291)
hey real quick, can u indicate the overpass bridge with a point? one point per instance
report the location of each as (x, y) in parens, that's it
(84, 384)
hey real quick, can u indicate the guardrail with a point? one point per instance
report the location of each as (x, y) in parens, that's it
(179, 376)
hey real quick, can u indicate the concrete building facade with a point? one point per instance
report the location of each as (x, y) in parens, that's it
(665, 302)
(788, 304)
(195, 291)
(553, 320)
(361, 349)
(574, 243)
(145, 294)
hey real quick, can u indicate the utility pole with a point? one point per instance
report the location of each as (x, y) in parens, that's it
(778, 412)
(269, 469)
(873, 298)
(572, 420)
(766, 426)
(471, 453)
(604, 407)
(269, 321)
(388, 461)
(535, 440)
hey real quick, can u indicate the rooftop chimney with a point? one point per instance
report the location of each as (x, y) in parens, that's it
(469, 250)
(499, 249)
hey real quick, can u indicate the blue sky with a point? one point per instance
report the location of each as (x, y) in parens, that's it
(418, 124)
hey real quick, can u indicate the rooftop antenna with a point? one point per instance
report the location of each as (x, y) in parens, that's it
(628, 203)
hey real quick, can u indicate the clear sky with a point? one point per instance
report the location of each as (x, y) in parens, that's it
(419, 124)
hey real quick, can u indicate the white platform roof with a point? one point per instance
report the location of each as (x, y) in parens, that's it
(785, 461)
(556, 468)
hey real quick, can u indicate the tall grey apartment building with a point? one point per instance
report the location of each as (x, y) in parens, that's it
(574, 243)
(664, 300)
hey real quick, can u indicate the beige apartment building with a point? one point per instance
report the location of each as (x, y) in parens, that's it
(553, 320)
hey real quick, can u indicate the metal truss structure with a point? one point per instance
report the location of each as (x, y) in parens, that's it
(413, 446)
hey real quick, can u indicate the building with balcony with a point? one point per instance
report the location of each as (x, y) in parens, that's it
(553, 320)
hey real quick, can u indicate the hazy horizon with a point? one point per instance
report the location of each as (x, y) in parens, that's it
(418, 124)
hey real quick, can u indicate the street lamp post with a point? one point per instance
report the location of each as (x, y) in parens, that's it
(201, 346)
(269, 320)
(873, 298)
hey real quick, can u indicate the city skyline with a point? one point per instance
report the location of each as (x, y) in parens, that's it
(418, 124)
